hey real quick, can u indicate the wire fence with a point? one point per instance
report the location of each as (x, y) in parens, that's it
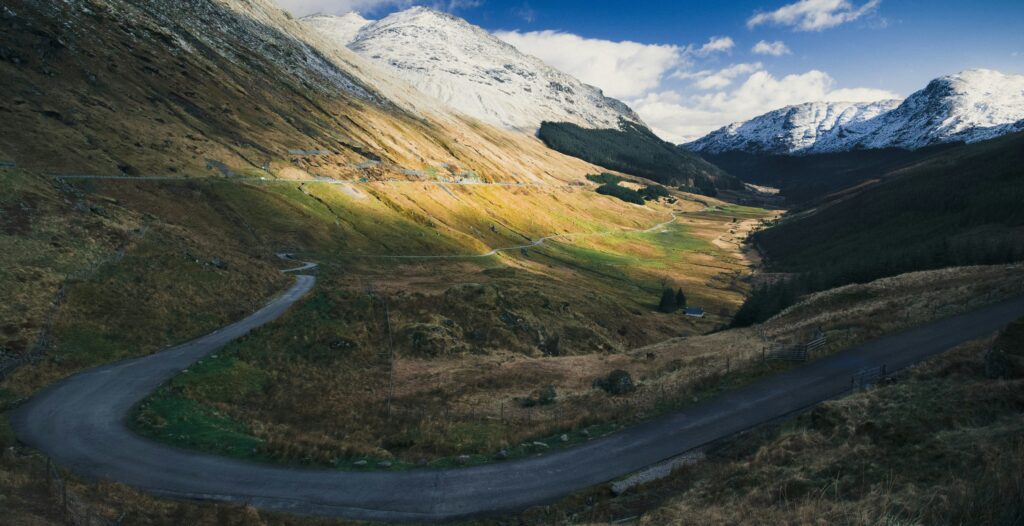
(75, 509)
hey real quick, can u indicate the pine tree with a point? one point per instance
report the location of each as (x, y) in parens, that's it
(668, 301)
(680, 299)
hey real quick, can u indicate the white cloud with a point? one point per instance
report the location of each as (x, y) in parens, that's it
(716, 45)
(775, 49)
(621, 69)
(813, 15)
(337, 7)
(681, 118)
(708, 80)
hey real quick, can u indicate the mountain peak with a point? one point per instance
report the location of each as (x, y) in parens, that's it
(968, 106)
(476, 73)
(338, 29)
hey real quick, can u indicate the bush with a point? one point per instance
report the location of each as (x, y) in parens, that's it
(545, 396)
(618, 382)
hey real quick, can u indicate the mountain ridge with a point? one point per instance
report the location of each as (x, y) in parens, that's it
(970, 106)
(473, 71)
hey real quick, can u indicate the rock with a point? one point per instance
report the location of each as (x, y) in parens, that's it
(586, 433)
(502, 455)
(564, 438)
(218, 263)
(462, 459)
(384, 464)
(541, 445)
(359, 463)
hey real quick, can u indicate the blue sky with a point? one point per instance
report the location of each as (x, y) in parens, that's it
(689, 67)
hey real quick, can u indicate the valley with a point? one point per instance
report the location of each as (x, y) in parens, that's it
(263, 265)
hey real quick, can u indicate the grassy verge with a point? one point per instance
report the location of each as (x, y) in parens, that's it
(938, 444)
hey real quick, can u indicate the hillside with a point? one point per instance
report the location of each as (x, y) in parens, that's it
(959, 207)
(167, 151)
(636, 150)
(804, 178)
(473, 71)
(477, 74)
(225, 84)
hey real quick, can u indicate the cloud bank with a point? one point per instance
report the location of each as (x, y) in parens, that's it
(621, 69)
(680, 118)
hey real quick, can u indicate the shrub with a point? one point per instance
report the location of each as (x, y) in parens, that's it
(617, 382)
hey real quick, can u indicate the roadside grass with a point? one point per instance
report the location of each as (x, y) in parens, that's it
(937, 444)
(195, 426)
(448, 406)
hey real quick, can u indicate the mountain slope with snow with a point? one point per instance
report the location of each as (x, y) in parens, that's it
(791, 129)
(970, 106)
(474, 72)
(340, 30)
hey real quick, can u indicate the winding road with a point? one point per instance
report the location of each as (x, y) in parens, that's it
(81, 423)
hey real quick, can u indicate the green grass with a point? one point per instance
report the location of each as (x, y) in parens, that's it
(185, 423)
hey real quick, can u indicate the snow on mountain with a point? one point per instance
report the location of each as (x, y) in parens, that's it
(340, 30)
(970, 106)
(792, 129)
(474, 72)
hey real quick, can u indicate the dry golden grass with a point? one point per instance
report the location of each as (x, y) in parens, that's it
(940, 446)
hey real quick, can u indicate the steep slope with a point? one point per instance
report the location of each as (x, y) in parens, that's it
(792, 129)
(970, 106)
(341, 30)
(475, 72)
(636, 150)
(229, 84)
(959, 207)
(802, 179)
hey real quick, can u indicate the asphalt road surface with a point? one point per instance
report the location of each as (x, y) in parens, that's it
(81, 423)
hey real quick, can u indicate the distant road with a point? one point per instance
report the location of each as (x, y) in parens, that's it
(81, 423)
(532, 244)
(319, 180)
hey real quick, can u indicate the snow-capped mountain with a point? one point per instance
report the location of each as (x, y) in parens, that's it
(970, 106)
(340, 30)
(792, 129)
(473, 71)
